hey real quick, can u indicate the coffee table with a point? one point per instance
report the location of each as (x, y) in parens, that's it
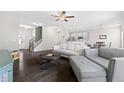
(47, 61)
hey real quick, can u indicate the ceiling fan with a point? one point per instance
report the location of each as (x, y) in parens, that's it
(61, 16)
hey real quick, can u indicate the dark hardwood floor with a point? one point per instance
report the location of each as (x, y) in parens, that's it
(28, 69)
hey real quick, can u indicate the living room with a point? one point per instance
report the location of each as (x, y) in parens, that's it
(61, 46)
(45, 45)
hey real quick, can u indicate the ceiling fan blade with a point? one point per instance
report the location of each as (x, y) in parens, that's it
(65, 20)
(57, 19)
(69, 16)
(55, 15)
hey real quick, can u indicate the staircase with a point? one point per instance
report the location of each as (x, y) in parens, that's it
(33, 43)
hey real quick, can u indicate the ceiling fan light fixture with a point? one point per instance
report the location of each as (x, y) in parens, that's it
(61, 16)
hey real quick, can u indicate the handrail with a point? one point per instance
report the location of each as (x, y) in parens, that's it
(33, 43)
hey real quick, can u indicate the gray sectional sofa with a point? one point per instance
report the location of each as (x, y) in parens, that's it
(99, 65)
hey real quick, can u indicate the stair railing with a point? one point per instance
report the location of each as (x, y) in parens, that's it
(33, 43)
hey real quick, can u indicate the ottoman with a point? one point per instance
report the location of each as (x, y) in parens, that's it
(86, 70)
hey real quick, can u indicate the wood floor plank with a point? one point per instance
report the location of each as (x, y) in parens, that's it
(28, 69)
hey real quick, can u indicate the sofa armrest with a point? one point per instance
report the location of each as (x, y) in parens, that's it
(93, 52)
(116, 70)
(56, 47)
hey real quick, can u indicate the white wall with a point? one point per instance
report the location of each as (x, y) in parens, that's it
(113, 35)
(122, 35)
(51, 37)
(8, 32)
(24, 36)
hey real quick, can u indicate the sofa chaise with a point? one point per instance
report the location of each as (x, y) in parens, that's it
(99, 65)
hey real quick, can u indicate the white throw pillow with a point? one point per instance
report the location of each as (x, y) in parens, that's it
(77, 48)
(63, 46)
(70, 47)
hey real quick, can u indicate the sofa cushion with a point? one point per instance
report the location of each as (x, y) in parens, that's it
(108, 52)
(91, 52)
(100, 61)
(121, 52)
(70, 47)
(63, 46)
(85, 68)
(97, 79)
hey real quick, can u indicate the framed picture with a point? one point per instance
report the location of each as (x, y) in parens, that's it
(102, 36)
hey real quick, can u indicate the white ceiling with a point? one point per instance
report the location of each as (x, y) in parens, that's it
(83, 20)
